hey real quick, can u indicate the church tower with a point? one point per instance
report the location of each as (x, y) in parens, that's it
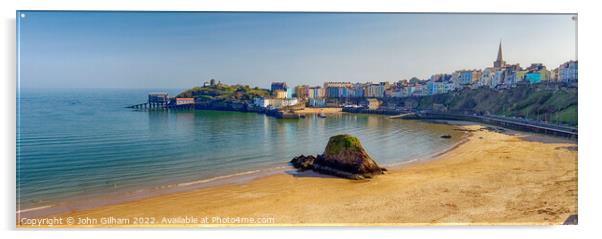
(499, 62)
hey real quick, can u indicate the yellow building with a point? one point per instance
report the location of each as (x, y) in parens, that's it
(520, 75)
(302, 91)
(545, 75)
(280, 94)
(475, 76)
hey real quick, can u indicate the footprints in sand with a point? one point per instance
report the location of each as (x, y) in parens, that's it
(449, 205)
(552, 212)
(569, 148)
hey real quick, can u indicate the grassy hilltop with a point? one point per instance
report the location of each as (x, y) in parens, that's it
(223, 92)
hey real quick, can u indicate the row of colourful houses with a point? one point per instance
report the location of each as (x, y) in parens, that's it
(499, 76)
(504, 77)
(343, 90)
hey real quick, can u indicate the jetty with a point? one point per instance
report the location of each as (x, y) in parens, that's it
(162, 101)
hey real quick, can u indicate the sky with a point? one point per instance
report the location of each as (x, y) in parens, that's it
(185, 49)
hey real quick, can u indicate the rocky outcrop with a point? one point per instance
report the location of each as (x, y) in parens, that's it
(344, 157)
(303, 162)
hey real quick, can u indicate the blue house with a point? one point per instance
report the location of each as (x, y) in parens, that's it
(533, 77)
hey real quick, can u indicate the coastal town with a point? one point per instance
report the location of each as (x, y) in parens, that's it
(499, 76)
(232, 119)
(407, 98)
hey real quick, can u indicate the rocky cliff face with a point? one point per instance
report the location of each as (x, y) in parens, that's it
(344, 157)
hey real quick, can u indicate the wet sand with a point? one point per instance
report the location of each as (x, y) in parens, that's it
(308, 110)
(491, 178)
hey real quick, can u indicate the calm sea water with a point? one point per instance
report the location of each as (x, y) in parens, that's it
(84, 143)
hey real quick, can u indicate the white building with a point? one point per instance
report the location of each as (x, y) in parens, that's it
(567, 72)
(375, 90)
(486, 77)
(274, 103)
(317, 102)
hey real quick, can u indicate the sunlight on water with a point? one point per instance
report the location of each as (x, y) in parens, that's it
(82, 143)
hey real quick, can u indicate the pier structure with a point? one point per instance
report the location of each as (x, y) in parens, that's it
(158, 100)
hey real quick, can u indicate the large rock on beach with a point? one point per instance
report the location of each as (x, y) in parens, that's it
(344, 157)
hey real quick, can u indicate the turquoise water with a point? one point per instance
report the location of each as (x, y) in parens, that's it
(84, 143)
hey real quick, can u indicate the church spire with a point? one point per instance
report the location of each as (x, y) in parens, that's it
(499, 52)
(499, 62)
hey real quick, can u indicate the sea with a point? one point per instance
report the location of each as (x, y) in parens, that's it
(79, 148)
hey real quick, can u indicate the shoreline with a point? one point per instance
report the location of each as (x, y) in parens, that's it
(462, 118)
(237, 178)
(325, 110)
(275, 185)
(125, 196)
(435, 156)
(114, 198)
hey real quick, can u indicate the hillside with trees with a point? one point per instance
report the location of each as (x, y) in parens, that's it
(551, 103)
(224, 97)
(223, 92)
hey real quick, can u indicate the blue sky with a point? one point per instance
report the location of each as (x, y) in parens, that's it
(180, 50)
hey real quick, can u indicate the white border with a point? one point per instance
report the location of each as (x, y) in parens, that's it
(589, 99)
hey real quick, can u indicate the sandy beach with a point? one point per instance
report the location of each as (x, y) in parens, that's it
(491, 178)
(308, 110)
